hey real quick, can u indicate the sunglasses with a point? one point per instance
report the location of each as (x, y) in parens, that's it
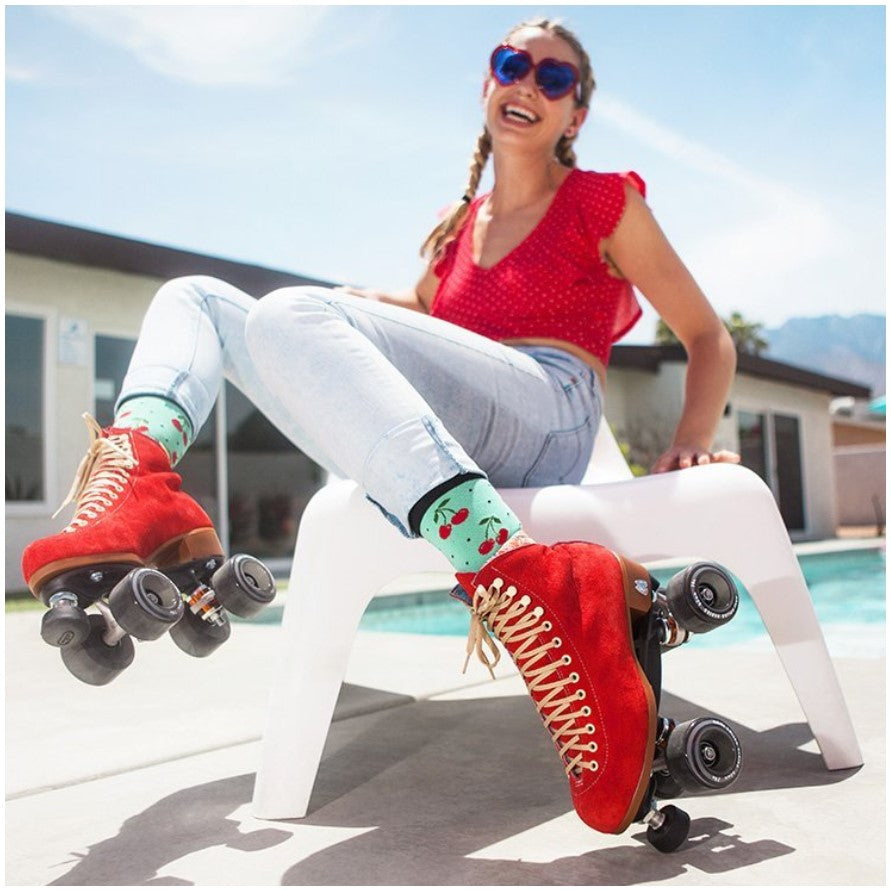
(555, 79)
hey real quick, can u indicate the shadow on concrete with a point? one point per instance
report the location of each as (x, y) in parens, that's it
(428, 785)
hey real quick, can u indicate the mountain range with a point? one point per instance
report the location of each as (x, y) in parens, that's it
(851, 348)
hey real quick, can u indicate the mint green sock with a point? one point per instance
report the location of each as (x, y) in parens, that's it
(158, 418)
(469, 524)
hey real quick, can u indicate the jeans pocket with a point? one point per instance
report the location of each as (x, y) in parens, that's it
(563, 457)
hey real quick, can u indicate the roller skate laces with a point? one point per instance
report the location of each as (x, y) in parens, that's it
(101, 477)
(538, 655)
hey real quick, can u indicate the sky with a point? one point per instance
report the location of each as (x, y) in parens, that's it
(325, 140)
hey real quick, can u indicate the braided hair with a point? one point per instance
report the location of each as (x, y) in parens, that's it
(564, 152)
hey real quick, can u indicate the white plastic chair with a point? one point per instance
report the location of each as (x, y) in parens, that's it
(719, 512)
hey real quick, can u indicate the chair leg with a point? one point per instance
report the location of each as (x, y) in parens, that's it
(315, 640)
(327, 594)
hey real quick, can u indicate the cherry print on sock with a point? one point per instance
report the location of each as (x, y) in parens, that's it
(494, 531)
(181, 431)
(447, 517)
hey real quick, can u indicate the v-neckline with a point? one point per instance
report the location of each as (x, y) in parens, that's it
(472, 226)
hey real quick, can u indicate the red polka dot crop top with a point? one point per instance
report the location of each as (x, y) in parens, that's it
(554, 284)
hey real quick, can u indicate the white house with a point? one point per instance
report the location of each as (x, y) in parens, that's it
(74, 302)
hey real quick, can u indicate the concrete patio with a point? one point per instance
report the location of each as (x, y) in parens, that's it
(429, 777)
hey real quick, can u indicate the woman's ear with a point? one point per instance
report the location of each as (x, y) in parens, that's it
(575, 123)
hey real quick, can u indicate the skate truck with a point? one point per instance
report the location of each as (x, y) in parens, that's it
(190, 600)
(697, 756)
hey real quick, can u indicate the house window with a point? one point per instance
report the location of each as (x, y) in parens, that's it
(753, 443)
(789, 488)
(25, 404)
(112, 358)
(198, 467)
(270, 481)
(770, 444)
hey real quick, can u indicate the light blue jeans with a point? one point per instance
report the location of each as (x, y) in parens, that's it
(396, 400)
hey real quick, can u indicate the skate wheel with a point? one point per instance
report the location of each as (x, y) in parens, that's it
(702, 597)
(94, 661)
(703, 754)
(672, 833)
(145, 603)
(65, 625)
(200, 637)
(243, 585)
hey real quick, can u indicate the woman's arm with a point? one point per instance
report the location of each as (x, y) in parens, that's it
(642, 254)
(417, 299)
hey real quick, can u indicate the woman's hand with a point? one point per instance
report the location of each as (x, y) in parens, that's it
(680, 457)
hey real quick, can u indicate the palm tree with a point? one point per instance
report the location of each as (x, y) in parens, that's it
(664, 335)
(746, 335)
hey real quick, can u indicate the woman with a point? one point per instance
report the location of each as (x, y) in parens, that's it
(489, 373)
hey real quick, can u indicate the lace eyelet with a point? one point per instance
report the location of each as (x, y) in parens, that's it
(538, 612)
(580, 694)
(567, 659)
(595, 766)
(547, 626)
(590, 728)
(556, 642)
(586, 710)
(574, 677)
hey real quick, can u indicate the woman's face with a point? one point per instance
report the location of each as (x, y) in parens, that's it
(519, 115)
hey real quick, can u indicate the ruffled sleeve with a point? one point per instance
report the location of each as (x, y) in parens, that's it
(628, 310)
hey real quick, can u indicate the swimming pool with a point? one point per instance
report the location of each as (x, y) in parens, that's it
(847, 588)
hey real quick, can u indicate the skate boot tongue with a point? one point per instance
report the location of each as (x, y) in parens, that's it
(101, 476)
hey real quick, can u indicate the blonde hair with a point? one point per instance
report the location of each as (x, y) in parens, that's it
(564, 152)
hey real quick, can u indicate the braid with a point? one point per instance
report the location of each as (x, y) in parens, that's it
(441, 234)
(564, 152)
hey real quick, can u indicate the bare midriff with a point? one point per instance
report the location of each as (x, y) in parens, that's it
(584, 355)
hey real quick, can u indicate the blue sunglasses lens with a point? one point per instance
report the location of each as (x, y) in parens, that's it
(555, 79)
(509, 66)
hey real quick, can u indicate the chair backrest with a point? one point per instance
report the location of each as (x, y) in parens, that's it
(607, 464)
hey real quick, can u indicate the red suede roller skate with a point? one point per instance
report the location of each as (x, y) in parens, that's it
(586, 629)
(145, 554)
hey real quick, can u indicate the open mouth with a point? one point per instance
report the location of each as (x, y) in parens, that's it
(519, 114)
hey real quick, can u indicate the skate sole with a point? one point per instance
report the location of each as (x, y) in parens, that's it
(57, 567)
(188, 548)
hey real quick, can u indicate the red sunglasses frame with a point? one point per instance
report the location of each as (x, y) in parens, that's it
(534, 67)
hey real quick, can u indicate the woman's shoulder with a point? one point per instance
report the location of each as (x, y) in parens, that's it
(595, 183)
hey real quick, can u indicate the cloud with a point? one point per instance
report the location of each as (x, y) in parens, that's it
(21, 73)
(781, 233)
(211, 44)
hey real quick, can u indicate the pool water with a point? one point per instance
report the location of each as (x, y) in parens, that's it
(847, 589)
